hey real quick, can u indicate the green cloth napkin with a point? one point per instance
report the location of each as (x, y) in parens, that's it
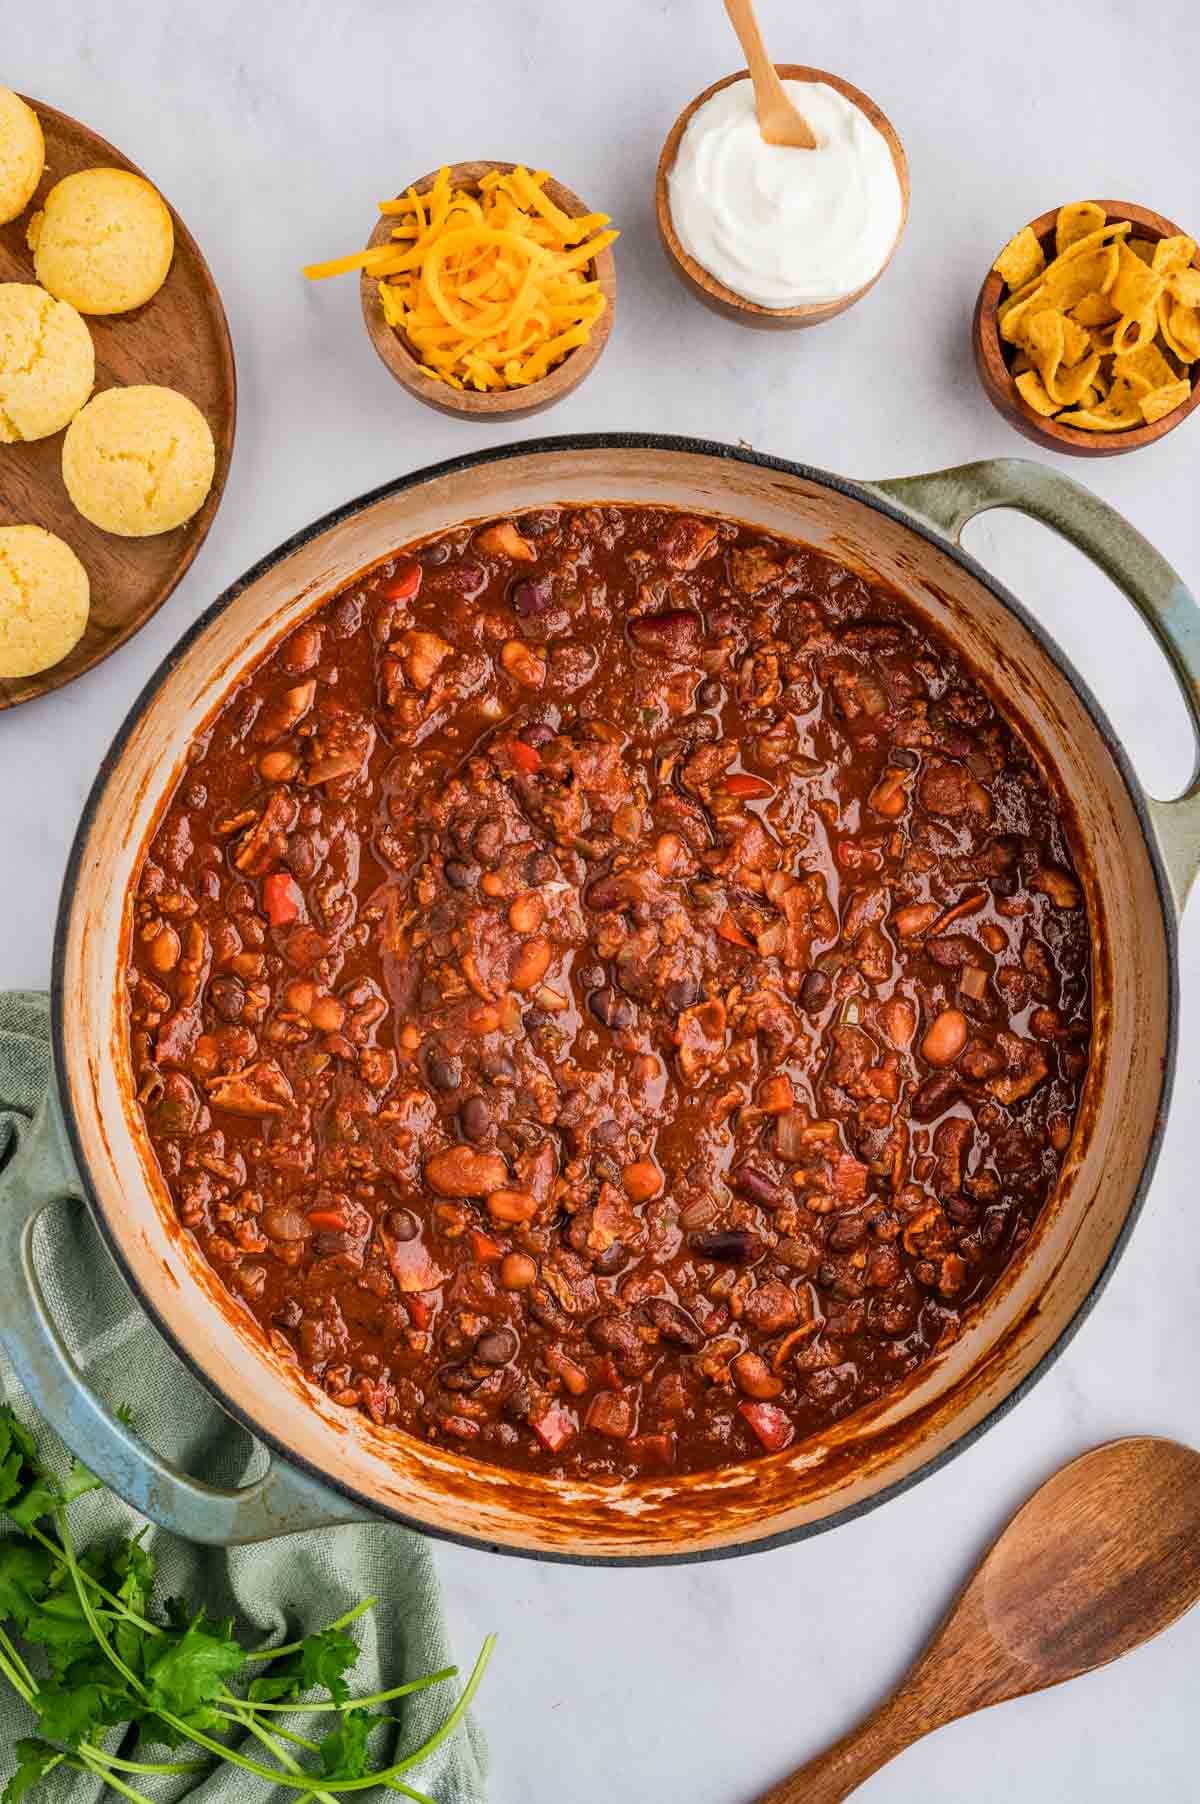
(279, 1590)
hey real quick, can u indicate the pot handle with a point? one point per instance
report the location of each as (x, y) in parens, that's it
(41, 1172)
(947, 499)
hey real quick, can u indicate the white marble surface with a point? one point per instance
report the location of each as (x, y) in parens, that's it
(273, 128)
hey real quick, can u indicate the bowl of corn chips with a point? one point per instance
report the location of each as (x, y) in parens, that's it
(1087, 328)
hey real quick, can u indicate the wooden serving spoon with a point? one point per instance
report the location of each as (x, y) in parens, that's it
(778, 120)
(1105, 1555)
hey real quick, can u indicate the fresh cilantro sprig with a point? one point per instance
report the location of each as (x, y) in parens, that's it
(103, 1660)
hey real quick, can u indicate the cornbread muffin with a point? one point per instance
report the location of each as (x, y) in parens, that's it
(102, 241)
(22, 154)
(138, 460)
(47, 362)
(44, 594)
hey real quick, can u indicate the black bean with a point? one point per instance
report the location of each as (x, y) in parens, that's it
(475, 1118)
(613, 1010)
(402, 1224)
(432, 555)
(709, 693)
(681, 994)
(734, 1244)
(444, 1073)
(537, 733)
(815, 992)
(903, 758)
(535, 525)
(461, 875)
(497, 1347)
(228, 998)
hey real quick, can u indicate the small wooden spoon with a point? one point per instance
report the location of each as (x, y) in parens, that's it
(1105, 1555)
(778, 120)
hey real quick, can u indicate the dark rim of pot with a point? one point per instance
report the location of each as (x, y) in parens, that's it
(621, 441)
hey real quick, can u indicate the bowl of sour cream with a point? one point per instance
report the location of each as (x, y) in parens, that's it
(771, 234)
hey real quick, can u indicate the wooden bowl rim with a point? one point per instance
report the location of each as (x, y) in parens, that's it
(999, 378)
(700, 276)
(393, 348)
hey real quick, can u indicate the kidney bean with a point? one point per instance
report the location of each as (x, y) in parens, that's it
(475, 1118)
(674, 634)
(402, 1224)
(444, 1073)
(734, 1244)
(815, 992)
(497, 1347)
(935, 1095)
(758, 1188)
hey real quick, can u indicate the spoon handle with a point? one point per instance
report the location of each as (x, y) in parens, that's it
(893, 1726)
(769, 96)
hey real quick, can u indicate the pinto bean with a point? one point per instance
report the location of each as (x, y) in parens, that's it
(461, 1171)
(945, 1037)
(518, 1271)
(754, 1377)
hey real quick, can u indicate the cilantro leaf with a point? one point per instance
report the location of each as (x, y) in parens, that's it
(25, 1575)
(133, 1573)
(27, 1489)
(34, 1760)
(89, 1695)
(319, 1661)
(344, 1749)
(185, 1670)
(59, 1625)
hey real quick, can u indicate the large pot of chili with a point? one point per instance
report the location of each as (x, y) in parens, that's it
(1124, 867)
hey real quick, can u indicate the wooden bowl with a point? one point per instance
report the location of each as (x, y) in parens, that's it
(509, 403)
(996, 377)
(715, 294)
(180, 338)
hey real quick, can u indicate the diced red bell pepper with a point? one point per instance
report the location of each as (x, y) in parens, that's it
(331, 1220)
(527, 758)
(555, 1426)
(282, 899)
(485, 1249)
(747, 787)
(769, 1423)
(728, 929)
(421, 1306)
(405, 583)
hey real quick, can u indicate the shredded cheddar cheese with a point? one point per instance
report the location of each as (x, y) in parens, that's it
(490, 287)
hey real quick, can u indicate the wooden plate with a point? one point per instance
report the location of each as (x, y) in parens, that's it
(180, 339)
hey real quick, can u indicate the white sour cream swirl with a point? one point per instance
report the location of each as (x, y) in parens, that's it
(782, 226)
